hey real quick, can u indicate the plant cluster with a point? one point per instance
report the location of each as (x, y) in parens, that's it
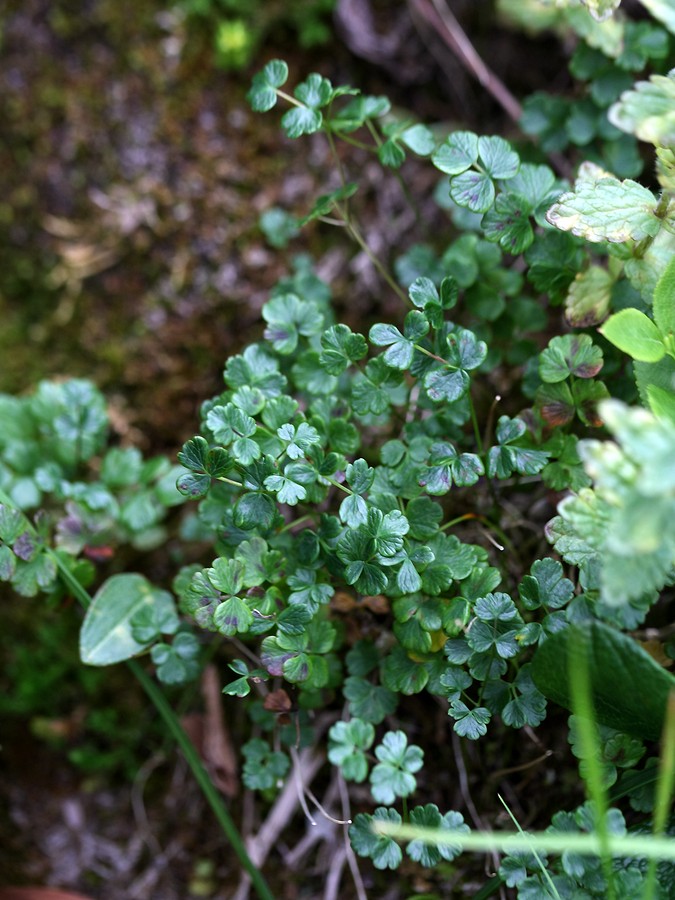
(353, 488)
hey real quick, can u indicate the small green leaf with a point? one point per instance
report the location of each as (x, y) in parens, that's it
(367, 701)
(457, 153)
(287, 490)
(633, 332)
(497, 157)
(232, 616)
(254, 511)
(346, 745)
(469, 723)
(393, 776)
(341, 347)
(263, 96)
(473, 190)
(446, 384)
(546, 585)
(12, 524)
(589, 297)
(465, 350)
(419, 139)
(264, 768)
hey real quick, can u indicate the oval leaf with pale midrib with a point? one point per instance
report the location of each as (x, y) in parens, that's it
(106, 635)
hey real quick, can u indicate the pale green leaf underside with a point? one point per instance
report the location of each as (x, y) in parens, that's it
(663, 10)
(648, 110)
(106, 637)
(607, 210)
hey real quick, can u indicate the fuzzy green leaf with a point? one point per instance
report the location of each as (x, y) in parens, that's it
(607, 210)
(648, 110)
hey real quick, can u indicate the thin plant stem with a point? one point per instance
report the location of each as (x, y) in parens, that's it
(474, 421)
(358, 237)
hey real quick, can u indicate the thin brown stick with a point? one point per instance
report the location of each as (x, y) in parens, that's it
(437, 14)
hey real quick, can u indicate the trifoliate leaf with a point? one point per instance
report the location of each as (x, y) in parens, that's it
(447, 466)
(263, 767)
(314, 93)
(569, 354)
(347, 742)
(393, 776)
(607, 210)
(177, 662)
(341, 347)
(288, 316)
(382, 849)
(546, 586)
(287, 490)
(469, 723)
(465, 350)
(298, 440)
(368, 701)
